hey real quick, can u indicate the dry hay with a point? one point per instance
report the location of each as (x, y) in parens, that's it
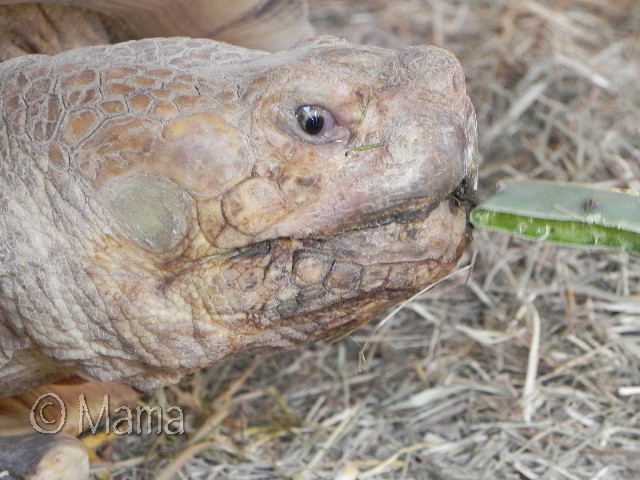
(525, 368)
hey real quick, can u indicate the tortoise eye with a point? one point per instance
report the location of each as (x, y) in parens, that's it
(316, 124)
(312, 119)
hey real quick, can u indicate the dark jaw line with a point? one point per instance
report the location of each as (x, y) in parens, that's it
(463, 196)
(419, 209)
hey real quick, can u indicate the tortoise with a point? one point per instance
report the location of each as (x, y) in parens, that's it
(172, 202)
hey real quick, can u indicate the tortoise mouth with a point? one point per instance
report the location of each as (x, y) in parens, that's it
(415, 210)
(412, 232)
(399, 251)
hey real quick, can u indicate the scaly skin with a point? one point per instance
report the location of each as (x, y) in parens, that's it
(163, 210)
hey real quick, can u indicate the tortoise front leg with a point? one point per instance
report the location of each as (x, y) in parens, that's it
(26, 453)
(35, 456)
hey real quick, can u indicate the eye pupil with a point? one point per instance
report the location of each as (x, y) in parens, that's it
(310, 119)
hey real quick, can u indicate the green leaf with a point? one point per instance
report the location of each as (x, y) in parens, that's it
(563, 213)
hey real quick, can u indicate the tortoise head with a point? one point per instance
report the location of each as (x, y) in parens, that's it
(236, 201)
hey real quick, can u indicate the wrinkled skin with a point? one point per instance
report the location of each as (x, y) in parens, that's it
(163, 209)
